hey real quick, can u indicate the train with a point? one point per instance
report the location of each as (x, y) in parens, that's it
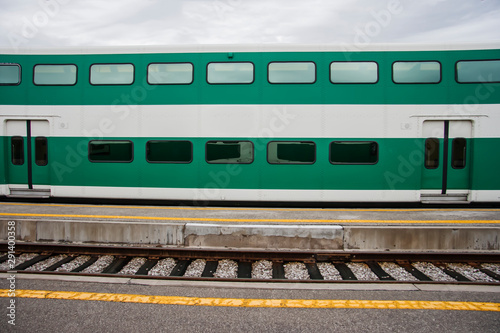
(256, 123)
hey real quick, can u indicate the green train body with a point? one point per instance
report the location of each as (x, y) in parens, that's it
(253, 123)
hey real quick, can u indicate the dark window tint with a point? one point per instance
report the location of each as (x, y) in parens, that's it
(10, 74)
(292, 72)
(169, 151)
(55, 75)
(353, 152)
(110, 151)
(41, 151)
(229, 152)
(432, 153)
(416, 72)
(17, 147)
(291, 152)
(458, 153)
(478, 71)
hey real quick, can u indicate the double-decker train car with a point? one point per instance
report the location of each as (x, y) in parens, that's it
(288, 123)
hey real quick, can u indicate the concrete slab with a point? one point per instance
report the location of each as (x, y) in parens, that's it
(429, 229)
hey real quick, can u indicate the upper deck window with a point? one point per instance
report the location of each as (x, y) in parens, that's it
(353, 72)
(230, 72)
(416, 72)
(10, 74)
(292, 72)
(55, 75)
(170, 73)
(479, 71)
(105, 74)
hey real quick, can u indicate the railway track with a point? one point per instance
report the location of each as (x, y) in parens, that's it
(252, 265)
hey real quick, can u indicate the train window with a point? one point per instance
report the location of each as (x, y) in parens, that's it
(110, 151)
(353, 152)
(480, 71)
(240, 152)
(230, 72)
(108, 74)
(169, 151)
(291, 152)
(41, 151)
(292, 72)
(416, 72)
(432, 153)
(10, 74)
(354, 72)
(458, 152)
(170, 73)
(55, 75)
(17, 147)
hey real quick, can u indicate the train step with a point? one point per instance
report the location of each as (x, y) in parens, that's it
(445, 198)
(29, 193)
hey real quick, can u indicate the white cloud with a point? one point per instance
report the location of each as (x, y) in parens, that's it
(35, 23)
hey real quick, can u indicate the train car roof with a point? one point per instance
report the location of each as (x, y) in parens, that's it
(213, 48)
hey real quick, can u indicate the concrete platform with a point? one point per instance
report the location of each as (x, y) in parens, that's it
(467, 230)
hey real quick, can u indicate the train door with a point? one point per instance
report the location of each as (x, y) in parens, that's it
(28, 158)
(447, 161)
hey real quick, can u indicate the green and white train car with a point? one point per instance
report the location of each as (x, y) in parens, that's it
(381, 123)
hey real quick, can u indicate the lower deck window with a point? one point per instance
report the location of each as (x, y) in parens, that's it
(110, 151)
(17, 148)
(431, 153)
(240, 152)
(291, 152)
(169, 151)
(41, 151)
(458, 153)
(353, 152)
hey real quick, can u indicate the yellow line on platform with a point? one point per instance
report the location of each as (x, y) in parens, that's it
(257, 209)
(201, 219)
(256, 303)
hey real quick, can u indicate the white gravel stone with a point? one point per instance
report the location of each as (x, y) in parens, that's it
(262, 269)
(470, 272)
(433, 272)
(397, 272)
(195, 268)
(328, 271)
(133, 266)
(362, 271)
(99, 265)
(5, 266)
(73, 264)
(41, 265)
(296, 271)
(226, 269)
(494, 267)
(163, 267)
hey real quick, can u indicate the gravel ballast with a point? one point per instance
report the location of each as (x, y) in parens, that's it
(163, 267)
(296, 271)
(195, 268)
(99, 265)
(44, 264)
(433, 272)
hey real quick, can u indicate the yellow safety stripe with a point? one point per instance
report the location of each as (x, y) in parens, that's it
(200, 219)
(256, 209)
(256, 303)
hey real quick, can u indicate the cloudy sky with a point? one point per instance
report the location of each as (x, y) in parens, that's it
(48, 23)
